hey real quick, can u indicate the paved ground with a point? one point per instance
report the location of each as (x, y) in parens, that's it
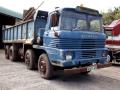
(15, 76)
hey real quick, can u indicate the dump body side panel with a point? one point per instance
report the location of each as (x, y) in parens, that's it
(19, 32)
(27, 31)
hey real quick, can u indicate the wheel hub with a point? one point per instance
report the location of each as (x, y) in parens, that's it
(28, 59)
(42, 65)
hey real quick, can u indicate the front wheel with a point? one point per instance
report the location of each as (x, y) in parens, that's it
(30, 59)
(85, 73)
(7, 52)
(44, 67)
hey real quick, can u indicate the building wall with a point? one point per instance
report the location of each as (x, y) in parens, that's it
(1, 44)
(7, 18)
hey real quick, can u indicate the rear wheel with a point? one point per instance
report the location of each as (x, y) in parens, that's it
(30, 59)
(13, 54)
(44, 67)
(7, 52)
(85, 73)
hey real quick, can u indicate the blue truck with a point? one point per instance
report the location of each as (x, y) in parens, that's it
(63, 39)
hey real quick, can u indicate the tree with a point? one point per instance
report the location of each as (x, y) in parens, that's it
(111, 15)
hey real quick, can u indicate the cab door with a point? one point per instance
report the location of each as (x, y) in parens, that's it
(51, 27)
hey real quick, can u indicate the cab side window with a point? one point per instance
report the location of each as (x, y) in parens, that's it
(54, 21)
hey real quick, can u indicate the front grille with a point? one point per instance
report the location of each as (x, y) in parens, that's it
(92, 44)
(88, 54)
(76, 43)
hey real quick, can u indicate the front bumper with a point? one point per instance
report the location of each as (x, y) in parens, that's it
(113, 48)
(84, 69)
(77, 62)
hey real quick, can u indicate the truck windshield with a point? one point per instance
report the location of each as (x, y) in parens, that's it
(79, 21)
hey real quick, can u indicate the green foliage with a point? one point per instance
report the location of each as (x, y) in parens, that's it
(111, 15)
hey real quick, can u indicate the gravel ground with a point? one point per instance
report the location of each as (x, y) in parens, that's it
(15, 76)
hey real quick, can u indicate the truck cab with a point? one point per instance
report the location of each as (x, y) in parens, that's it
(74, 37)
(113, 40)
(66, 38)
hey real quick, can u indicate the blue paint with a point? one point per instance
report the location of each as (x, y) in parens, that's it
(27, 30)
(15, 33)
(79, 33)
(12, 34)
(19, 31)
(86, 45)
(24, 31)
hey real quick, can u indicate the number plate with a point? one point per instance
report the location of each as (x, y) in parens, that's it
(92, 68)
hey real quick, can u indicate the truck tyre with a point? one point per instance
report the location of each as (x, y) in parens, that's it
(7, 52)
(13, 53)
(111, 56)
(44, 67)
(85, 73)
(30, 59)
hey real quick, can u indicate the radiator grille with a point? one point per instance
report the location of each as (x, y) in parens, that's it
(88, 54)
(76, 43)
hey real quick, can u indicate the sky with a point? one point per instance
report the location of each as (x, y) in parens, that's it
(49, 5)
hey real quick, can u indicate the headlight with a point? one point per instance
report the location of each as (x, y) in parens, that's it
(68, 56)
(38, 40)
(108, 58)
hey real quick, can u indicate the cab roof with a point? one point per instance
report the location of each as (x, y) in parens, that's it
(80, 9)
